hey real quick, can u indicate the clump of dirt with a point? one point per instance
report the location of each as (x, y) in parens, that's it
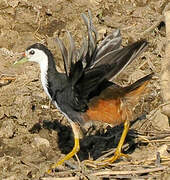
(34, 135)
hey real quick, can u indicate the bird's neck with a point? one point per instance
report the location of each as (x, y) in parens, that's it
(48, 69)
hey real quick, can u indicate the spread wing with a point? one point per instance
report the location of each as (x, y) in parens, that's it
(89, 68)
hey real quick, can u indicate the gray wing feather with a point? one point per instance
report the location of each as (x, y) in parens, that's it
(64, 53)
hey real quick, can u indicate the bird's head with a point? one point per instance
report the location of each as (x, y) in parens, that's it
(35, 53)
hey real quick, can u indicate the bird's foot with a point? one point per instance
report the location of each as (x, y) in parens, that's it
(67, 157)
(106, 162)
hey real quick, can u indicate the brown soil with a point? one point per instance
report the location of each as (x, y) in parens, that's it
(34, 136)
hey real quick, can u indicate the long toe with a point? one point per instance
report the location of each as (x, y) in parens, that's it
(116, 156)
(106, 162)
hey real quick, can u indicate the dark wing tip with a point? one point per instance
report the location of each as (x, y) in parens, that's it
(142, 43)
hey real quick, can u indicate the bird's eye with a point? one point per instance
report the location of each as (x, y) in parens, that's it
(32, 52)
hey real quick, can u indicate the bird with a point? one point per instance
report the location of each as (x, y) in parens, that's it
(86, 91)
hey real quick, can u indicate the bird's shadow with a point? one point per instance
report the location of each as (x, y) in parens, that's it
(93, 145)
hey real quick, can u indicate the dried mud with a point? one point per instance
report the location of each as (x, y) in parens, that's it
(34, 135)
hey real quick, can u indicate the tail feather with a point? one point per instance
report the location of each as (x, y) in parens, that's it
(135, 90)
(139, 83)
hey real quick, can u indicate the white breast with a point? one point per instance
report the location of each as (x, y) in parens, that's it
(45, 84)
(44, 69)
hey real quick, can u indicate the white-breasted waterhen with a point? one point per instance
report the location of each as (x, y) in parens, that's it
(84, 92)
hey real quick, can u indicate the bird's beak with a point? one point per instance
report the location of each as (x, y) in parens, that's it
(23, 59)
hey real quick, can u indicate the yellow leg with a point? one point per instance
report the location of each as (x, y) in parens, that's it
(117, 153)
(75, 149)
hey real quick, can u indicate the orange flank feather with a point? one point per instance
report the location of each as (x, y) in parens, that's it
(109, 111)
(115, 104)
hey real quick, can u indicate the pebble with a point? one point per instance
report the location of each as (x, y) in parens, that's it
(38, 142)
(160, 120)
(163, 150)
(11, 178)
(7, 128)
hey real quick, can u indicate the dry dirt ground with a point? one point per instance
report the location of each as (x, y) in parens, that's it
(34, 136)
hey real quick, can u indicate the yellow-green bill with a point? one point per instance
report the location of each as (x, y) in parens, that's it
(21, 60)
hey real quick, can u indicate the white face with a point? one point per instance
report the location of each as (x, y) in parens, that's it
(36, 55)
